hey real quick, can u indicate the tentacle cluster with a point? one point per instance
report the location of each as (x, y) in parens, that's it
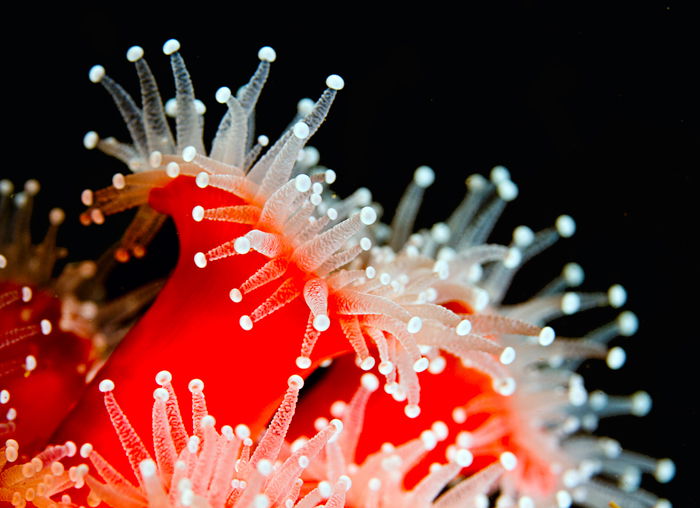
(53, 328)
(316, 246)
(40, 480)
(27, 316)
(399, 297)
(211, 468)
(539, 409)
(378, 480)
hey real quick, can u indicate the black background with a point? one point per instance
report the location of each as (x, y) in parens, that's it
(593, 108)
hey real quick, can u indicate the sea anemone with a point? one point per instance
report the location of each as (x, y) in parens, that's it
(56, 329)
(422, 309)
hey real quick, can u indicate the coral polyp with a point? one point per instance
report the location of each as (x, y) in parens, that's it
(55, 330)
(279, 280)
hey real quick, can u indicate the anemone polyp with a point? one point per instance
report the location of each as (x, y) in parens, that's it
(270, 226)
(53, 331)
(278, 277)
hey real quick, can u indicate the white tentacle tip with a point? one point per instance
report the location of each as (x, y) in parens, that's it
(564, 499)
(134, 53)
(508, 460)
(200, 259)
(222, 95)
(235, 295)
(481, 299)
(85, 450)
(368, 215)
(198, 213)
(303, 362)
(499, 174)
(208, 421)
(421, 364)
(617, 295)
(566, 226)
(302, 183)
(513, 258)
(507, 190)
(441, 233)
(171, 46)
(368, 363)
(325, 489)
(189, 153)
(523, 236)
(475, 183)
(627, 323)
(505, 386)
(507, 356)
(573, 274)
(246, 323)
(463, 457)
(161, 394)
(106, 385)
(171, 107)
(665, 470)
(295, 381)
(57, 216)
(164, 377)
(440, 429)
(90, 140)
(45, 326)
(155, 159)
(301, 130)
(96, 73)
(321, 323)
(30, 363)
(526, 502)
(195, 386)
(386, 368)
(414, 325)
(429, 439)
(570, 303)
(374, 484)
(463, 327)
(424, 177)
(369, 382)
(546, 336)
(118, 181)
(267, 54)
(412, 410)
(641, 403)
(345, 482)
(241, 245)
(172, 169)
(330, 176)
(147, 468)
(335, 82)
(616, 358)
(202, 180)
(242, 431)
(338, 425)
